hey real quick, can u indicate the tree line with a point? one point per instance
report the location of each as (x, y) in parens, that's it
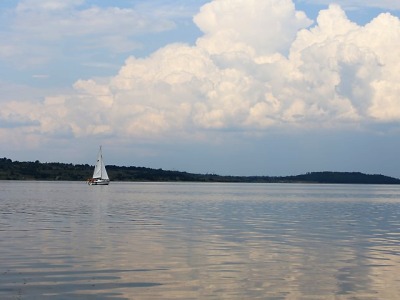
(15, 170)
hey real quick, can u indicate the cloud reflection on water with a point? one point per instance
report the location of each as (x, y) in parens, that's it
(194, 241)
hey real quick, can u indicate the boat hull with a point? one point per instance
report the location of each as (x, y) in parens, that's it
(98, 182)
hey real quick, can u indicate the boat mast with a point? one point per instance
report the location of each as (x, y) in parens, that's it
(101, 164)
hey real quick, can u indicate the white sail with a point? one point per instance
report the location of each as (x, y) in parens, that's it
(98, 167)
(104, 174)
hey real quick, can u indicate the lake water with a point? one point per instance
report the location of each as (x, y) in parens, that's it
(68, 240)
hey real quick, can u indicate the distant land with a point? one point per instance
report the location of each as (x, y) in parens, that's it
(15, 170)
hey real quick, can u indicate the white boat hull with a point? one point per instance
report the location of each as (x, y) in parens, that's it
(98, 182)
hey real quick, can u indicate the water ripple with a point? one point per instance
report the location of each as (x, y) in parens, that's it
(198, 241)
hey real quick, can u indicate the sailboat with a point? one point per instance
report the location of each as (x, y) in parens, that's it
(100, 176)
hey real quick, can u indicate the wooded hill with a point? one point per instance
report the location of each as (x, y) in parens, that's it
(15, 170)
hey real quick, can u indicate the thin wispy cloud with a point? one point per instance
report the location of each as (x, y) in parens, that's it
(40, 76)
(42, 30)
(382, 4)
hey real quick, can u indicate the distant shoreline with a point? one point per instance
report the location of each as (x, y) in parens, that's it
(15, 170)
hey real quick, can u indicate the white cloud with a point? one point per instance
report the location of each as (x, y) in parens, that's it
(47, 5)
(40, 76)
(241, 76)
(383, 4)
(235, 25)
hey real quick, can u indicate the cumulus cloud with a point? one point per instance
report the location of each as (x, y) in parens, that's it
(259, 65)
(262, 26)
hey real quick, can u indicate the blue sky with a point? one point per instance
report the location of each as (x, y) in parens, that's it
(239, 87)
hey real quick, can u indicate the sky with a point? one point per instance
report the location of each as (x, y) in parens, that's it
(229, 87)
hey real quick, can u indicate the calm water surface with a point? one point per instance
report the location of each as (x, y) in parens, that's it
(198, 241)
